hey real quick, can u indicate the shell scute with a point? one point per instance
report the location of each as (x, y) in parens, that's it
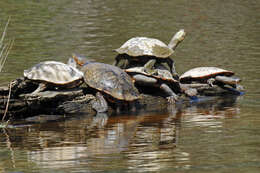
(140, 46)
(110, 80)
(53, 72)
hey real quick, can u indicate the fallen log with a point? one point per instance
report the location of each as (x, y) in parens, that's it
(22, 104)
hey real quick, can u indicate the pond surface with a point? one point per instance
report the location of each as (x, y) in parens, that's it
(220, 135)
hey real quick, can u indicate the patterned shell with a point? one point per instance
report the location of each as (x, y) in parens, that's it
(204, 72)
(140, 46)
(110, 80)
(53, 72)
(158, 74)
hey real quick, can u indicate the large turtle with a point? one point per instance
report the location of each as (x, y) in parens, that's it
(142, 49)
(156, 78)
(51, 74)
(212, 76)
(109, 80)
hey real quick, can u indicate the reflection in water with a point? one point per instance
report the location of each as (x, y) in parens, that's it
(211, 136)
(147, 142)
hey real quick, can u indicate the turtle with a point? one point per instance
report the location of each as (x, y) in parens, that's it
(212, 76)
(51, 74)
(142, 49)
(107, 80)
(146, 76)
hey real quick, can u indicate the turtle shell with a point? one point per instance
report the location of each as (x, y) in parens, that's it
(110, 80)
(204, 72)
(53, 72)
(164, 75)
(143, 46)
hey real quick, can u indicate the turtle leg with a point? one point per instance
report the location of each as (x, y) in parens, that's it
(125, 64)
(40, 88)
(117, 60)
(190, 92)
(172, 97)
(210, 81)
(171, 64)
(144, 80)
(149, 66)
(99, 104)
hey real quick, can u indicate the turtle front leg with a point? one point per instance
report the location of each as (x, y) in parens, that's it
(172, 97)
(210, 81)
(149, 66)
(171, 64)
(99, 104)
(189, 91)
(117, 60)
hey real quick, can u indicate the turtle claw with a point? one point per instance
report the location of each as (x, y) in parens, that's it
(172, 99)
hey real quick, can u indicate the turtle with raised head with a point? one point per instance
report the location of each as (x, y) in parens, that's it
(107, 80)
(212, 76)
(52, 74)
(139, 50)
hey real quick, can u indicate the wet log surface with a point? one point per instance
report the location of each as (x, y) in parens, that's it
(22, 104)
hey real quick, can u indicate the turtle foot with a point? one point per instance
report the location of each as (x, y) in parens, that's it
(172, 99)
(99, 104)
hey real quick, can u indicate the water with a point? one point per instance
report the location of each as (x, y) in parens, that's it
(220, 135)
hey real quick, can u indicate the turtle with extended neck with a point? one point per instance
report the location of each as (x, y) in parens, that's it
(138, 51)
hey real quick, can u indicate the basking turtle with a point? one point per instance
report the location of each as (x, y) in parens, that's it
(212, 76)
(143, 49)
(158, 78)
(109, 80)
(50, 74)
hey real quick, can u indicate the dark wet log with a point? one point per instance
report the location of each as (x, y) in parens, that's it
(77, 100)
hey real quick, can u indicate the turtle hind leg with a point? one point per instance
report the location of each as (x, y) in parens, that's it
(99, 104)
(172, 97)
(40, 88)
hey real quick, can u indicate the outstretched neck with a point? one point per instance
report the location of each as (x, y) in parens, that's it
(80, 60)
(176, 39)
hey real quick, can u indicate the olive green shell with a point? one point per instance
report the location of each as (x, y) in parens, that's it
(110, 80)
(54, 72)
(144, 46)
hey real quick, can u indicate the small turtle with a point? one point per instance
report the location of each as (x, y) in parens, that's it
(212, 76)
(159, 78)
(143, 49)
(50, 74)
(109, 80)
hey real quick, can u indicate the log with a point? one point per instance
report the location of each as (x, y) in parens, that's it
(22, 104)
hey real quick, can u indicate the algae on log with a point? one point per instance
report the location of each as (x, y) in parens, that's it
(22, 104)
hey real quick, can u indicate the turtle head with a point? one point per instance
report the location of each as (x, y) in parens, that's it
(176, 39)
(80, 60)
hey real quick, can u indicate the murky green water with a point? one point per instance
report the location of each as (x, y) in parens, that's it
(222, 135)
